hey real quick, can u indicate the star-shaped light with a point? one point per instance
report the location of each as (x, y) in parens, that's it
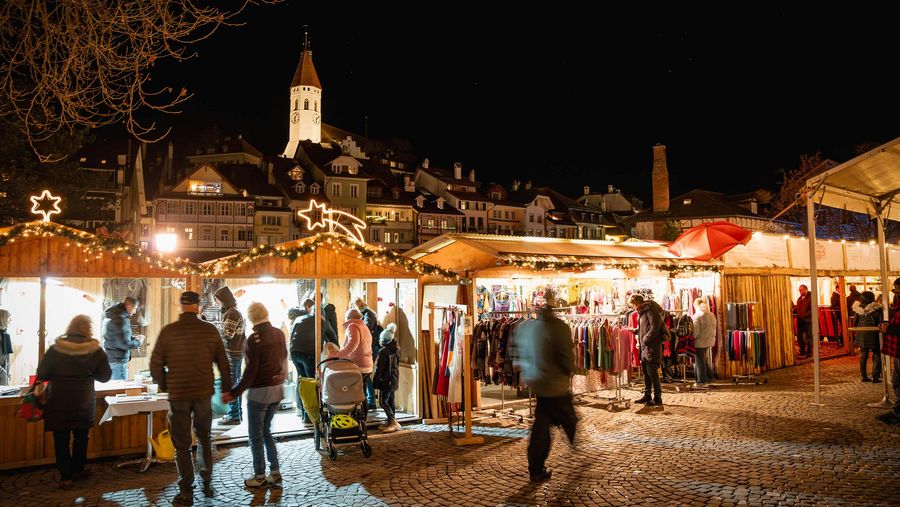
(46, 205)
(314, 215)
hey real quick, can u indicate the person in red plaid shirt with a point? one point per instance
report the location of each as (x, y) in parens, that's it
(891, 330)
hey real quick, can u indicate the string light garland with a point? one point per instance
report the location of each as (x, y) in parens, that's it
(573, 264)
(94, 247)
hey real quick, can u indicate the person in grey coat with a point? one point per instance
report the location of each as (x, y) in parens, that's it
(118, 340)
(705, 326)
(650, 339)
(545, 355)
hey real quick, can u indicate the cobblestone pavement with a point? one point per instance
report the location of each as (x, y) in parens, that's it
(733, 445)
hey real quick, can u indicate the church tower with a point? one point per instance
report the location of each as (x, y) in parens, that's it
(305, 113)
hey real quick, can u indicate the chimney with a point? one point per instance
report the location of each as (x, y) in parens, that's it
(515, 185)
(660, 180)
(457, 170)
(425, 164)
(528, 185)
(170, 158)
(271, 173)
(472, 175)
(587, 190)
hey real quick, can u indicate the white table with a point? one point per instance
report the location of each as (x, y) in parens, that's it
(130, 405)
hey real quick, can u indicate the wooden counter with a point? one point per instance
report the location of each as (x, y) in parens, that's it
(26, 444)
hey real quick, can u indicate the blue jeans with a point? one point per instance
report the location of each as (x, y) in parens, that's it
(119, 370)
(259, 422)
(370, 391)
(234, 408)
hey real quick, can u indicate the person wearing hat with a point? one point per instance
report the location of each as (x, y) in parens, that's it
(387, 376)
(546, 357)
(181, 363)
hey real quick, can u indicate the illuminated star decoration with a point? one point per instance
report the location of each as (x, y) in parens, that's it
(317, 215)
(46, 205)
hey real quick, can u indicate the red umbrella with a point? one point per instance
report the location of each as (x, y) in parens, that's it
(707, 241)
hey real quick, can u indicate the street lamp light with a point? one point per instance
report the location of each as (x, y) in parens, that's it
(166, 242)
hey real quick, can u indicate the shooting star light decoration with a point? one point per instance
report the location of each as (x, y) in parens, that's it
(317, 215)
(46, 205)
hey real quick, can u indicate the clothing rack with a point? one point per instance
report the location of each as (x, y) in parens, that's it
(503, 412)
(751, 377)
(618, 399)
(467, 386)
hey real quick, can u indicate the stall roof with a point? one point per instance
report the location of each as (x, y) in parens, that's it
(862, 183)
(477, 251)
(322, 256)
(49, 249)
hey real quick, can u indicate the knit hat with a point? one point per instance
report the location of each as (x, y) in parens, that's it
(388, 334)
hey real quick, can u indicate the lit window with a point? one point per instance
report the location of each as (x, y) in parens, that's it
(351, 169)
(188, 233)
(205, 187)
(687, 202)
(296, 174)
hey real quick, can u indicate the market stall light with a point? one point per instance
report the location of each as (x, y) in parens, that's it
(45, 205)
(55, 281)
(266, 279)
(166, 242)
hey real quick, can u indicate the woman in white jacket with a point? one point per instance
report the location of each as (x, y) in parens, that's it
(705, 325)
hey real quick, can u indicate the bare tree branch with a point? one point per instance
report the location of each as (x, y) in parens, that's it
(86, 63)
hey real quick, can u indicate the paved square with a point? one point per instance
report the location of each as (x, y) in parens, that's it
(734, 445)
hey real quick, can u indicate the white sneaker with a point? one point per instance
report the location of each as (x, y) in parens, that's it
(274, 480)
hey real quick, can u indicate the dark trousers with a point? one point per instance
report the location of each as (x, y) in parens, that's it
(70, 460)
(306, 367)
(864, 358)
(701, 366)
(180, 414)
(234, 408)
(550, 411)
(651, 379)
(387, 404)
(370, 390)
(259, 422)
(895, 382)
(804, 332)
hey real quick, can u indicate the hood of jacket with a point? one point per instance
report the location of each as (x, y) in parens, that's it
(76, 345)
(859, 309)
(226, 297)
(648, 305)
(116, 310)
(4, 319)
(354, 322)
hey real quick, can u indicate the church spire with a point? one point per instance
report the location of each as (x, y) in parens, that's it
(305, 75)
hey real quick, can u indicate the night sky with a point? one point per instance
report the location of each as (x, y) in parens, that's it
(569, 98)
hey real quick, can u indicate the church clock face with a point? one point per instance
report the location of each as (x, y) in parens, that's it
(295, 117)
(315, 119)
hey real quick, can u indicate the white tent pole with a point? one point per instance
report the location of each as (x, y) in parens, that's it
(885, 304)
(813, 288)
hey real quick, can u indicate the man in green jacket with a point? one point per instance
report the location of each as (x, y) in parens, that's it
(181, 363)
(545, 354)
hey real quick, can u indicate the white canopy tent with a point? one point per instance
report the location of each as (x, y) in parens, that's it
(870, 184)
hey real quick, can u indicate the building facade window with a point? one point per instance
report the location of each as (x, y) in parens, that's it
(189, 208)
(354, 190)
(480, 222)
(335, 189)
(314, 188)
(306, 104)
(206, 234)
(224, 235)
(188, 233)
(207, 208)
(271, 220)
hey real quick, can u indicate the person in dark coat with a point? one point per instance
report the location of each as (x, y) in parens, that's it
(650, 339)
(804, 321)
(869, 314)
(387, 376)
(303, 344)
(233, 338)
(117, 338)
(71, 365)
(6, 348)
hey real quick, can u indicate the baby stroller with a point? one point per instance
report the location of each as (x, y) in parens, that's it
(343, 409)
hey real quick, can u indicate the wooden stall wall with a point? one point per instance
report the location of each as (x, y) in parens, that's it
(773, 313)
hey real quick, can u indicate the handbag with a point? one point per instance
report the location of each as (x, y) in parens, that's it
(32, 405)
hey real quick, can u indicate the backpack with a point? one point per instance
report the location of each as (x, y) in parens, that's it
(684, 326)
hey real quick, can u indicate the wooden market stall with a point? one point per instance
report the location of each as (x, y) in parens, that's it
(519, 266)
(339, 269)
(767, 272)
(39, 260)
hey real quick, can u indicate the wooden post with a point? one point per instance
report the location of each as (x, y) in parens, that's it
(42, 319)
(318, 320)
(845, 318)
(467, 384)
